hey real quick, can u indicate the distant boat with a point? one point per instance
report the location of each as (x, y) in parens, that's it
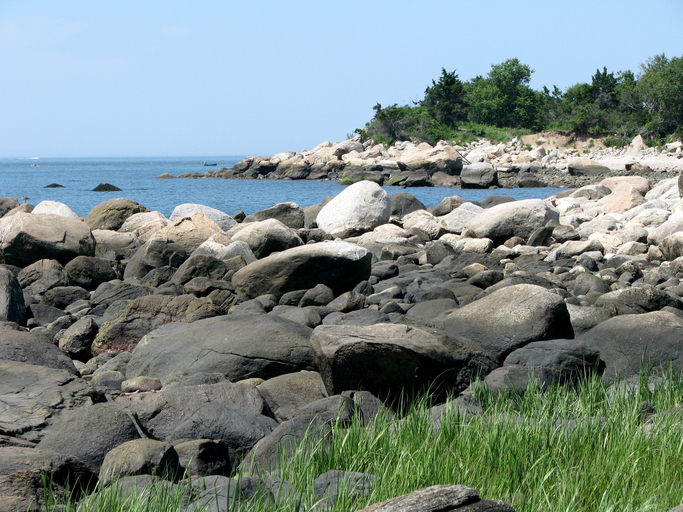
(209, 165)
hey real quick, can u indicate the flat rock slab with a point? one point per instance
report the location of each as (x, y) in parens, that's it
(31, 394)
(440, 498)
(338, 265)
(237, 347)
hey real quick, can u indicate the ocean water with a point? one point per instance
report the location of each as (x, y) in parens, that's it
(137, 179)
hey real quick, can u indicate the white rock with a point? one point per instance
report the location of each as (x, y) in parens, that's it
(360, 208)
(55, 208)
(221, 218)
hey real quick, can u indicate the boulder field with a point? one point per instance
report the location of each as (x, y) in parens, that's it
(552, 159)
(134, 345)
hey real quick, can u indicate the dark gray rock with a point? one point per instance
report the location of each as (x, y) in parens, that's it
(200, 266)
(330, 485)
(12, 306)
(89, 272)
(440, 498)
(89, 433)
(42, 275)
(478, 175)
(141, 457)
(203, 457)
(31, 394)
(290, 214)
(339, 265)
(24, 471)
(404, 203)
(61, 296)
(390, 359)
(113, 213)
(641, 299)
(511, 317)
(26, 347)
(237, 428)
(239, 347)
(628, 342)
(157, 252)
(573, 359)
(286, 394)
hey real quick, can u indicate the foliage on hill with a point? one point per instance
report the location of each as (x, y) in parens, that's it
(625, 104)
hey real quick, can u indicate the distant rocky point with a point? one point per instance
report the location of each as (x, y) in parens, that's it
(548, 159)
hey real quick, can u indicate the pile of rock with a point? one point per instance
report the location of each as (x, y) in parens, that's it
(480, 164)
(134, 345)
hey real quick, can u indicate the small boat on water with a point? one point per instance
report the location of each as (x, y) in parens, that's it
(209, 165)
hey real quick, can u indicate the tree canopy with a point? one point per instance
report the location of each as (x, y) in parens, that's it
(650, 104)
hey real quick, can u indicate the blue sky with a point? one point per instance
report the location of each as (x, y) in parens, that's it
(202, 78)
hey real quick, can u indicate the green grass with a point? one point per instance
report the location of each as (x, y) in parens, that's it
(519, 451)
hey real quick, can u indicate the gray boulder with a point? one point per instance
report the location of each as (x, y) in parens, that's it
(24, 471)
(113, 213)
(89, 433)
(478, 175)
(89, 272)
(584, 166)
(287, 393)
(290, 214)
(338, 265)
(31, 394)
(628, 342)
(203, 457)
(26, 347)
(641, 299)
(42, 275)
(361, 207)
(140, 457)
(157, 252)
(510, 318)
(516, 218)
(404, 203)
(267, 236)
(26, 238)
(146, 313)
(7, 204)
(224, 220)
(388, 359)
(240, 430)
(12, 306)
(239, 347)
(573, 359)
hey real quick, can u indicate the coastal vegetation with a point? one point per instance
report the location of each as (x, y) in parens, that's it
(618, 104)
(584, 448)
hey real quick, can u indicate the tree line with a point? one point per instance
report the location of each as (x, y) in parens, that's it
(502, 103)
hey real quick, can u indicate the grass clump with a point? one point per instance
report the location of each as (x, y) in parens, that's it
(580, 449)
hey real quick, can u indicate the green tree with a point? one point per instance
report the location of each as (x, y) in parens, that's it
(661, 86)
(504, 98)
(444, 100)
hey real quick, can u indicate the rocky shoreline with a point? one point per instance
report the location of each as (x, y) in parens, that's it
(550, 159)
(132, 344)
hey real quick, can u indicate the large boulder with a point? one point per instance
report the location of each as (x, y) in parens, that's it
(146, 313)
(7, 204)
(584, 166)
(31, 394)
(361, 207)
(389, 359)
(404, 203)
(339, 265)
(113, 213)
(25, 471)
(237, 347)
(89, 433)
(191, 231)
(457, 219)
(510, 318)
(54, 208)
(27, 347)
(224, 220)
(631, 344)
(478, 175)
(516, 218)
(140, 457)
(26, 238)
(41, 276)
(157, 252)
(89, 272)
(161, 413)
(12, 305)
(266, 236)
(289, 213)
